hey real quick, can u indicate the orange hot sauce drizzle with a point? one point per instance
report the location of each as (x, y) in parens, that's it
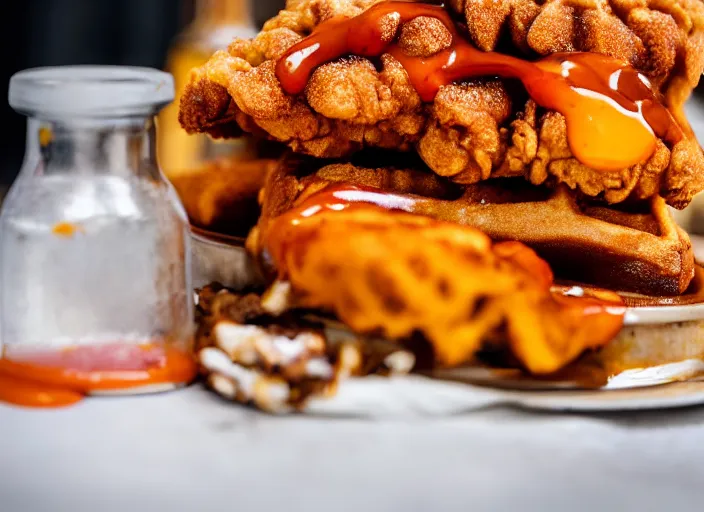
(290, 232)
(64, 377)
(613, 115)
(286, 231)
(66, 229)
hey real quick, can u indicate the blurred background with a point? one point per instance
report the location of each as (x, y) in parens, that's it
(124, 32)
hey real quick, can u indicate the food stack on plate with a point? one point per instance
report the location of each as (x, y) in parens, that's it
(477, 186)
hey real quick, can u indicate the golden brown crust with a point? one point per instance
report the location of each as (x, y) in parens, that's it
(658, 37)
(472, 130)
(664, 39)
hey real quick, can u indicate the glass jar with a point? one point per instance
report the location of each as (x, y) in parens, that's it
(215, 24)
(94, 243)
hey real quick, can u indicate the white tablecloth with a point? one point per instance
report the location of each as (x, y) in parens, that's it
(189, 451)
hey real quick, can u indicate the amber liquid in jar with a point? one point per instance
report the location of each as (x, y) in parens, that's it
(216, 24)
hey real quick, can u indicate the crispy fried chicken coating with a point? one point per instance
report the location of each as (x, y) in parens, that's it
(472, 130)
(662, 38)
(395, 274)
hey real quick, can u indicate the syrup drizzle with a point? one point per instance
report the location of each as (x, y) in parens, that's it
(286, 233)
(613, 115)
(290, 232)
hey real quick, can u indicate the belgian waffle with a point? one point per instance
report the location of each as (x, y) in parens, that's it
(636, 248)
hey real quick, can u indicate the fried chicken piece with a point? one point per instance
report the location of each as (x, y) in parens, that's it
(472, 130)
(395, 274)
(662, 38)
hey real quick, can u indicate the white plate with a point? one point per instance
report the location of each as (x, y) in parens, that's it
(221, 259)
(663, 314)
(414, 395)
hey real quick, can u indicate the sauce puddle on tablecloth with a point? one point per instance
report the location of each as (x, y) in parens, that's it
(61, 377)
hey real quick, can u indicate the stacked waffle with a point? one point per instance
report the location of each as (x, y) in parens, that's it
(447, 161)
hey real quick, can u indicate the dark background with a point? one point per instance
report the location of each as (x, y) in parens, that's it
(61, 32)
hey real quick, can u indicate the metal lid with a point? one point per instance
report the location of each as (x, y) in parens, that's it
(90, 91)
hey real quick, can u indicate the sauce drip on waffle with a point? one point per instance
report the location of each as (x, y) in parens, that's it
(546, 328)
(613, 115)
(284, 236)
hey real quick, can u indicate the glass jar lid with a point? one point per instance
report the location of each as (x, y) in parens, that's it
(90, 91)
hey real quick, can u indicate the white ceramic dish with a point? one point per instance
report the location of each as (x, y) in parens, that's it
(663, 314)
(224, 259)
(419, 396)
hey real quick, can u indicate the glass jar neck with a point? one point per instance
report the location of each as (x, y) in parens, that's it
(124, 146)
(217, 13)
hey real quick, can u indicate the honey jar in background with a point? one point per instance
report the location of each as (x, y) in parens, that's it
(215, 24)
(217, 180)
